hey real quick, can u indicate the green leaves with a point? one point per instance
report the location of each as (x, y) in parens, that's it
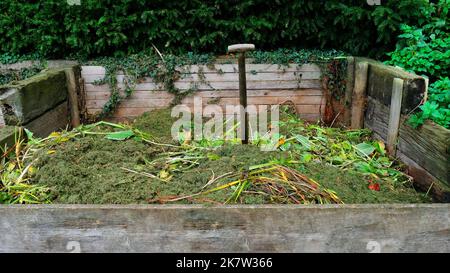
(425, 49)
(121, 135)
(365, 149)
(56, 30)
(437, 108)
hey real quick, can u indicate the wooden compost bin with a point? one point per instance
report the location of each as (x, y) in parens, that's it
(193, 228)
(43, 103)
(267, 84)
(425, 150)
(238, 228)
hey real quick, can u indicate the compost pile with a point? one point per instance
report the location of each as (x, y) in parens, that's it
(107, 163)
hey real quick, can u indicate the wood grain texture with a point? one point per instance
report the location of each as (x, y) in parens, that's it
(72, 78)
(266, 84)
(359, 95)
(225, 77)
(223, 68)
(394, 116)
(428, 146)
(189, 228)
(149, 94)
(51, 121)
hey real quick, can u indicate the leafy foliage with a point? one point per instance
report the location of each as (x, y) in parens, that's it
(437, 108)
(54, 29)
(425, 49)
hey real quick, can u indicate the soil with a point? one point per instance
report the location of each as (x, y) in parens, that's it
(92, 170)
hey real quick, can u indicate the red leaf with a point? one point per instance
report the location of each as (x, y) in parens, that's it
(374, 187)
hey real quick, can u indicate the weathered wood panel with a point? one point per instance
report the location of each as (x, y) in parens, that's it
(52, 121)
(225, 68)
(425, 150)
(308, 112)
(161, 228)
(224, 77)
(380, 80)
(428, 146)
(149, 94)
(266, 83)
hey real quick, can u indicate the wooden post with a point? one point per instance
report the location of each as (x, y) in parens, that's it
(241, 49)
(350, 81)
(71, 80)
(243, 98)
(359, 95)
(394, 116)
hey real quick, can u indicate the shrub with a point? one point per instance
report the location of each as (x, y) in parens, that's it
(425, 49)
(53, 29)
(437, 107)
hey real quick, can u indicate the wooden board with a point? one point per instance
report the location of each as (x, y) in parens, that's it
(223, 68)
(428, 146)
(189, 228)
(227, 85)
(267, 84)
(225, 77)
(103, 95)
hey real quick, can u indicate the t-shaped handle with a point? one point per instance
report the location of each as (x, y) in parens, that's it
(242, 48)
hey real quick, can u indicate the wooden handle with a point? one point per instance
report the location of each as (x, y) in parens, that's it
(241, 48)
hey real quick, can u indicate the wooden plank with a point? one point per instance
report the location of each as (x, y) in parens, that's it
(428, 146)
(394, 115)
(251, 85)
(266, 100)
(350, 78)
(273, 76)
(307, 117)
(131, 103)
(288, 76)
(95, 104)
(223, 68)
(308, 84)
(276, 100)
(51, 121)
(359, 93)
(72, 79)
(93, 95)
(425, 181)
(202, 229)
(127, 110)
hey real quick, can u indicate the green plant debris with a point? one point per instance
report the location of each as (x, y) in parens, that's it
(107, 163)
(157, 123)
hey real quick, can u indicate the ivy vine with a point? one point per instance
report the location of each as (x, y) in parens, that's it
(8, 76)
(165, 70)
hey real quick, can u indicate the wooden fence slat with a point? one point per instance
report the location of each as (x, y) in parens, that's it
(95, 95)
(359, 94)
(316, 100)
(394, 115)
(251, 85)
(301, 109)
(225, 77)
(223, 68)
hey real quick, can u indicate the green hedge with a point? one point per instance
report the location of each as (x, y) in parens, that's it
(54, 29)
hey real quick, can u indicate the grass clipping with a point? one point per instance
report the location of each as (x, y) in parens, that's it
(107, 163)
